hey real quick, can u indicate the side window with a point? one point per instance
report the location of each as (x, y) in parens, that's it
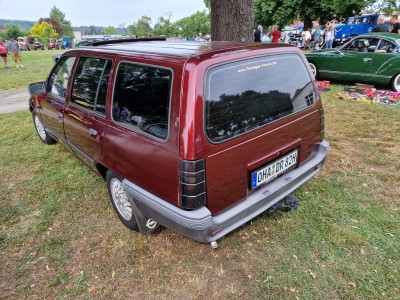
(90, 83)
(58, 81)
(373, 20)
(141, 98)
(386, 47)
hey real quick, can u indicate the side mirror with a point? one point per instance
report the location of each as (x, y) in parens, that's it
(37, 88)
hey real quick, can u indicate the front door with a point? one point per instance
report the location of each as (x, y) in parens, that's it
(84, 115)
(52, 106)
(353, 60)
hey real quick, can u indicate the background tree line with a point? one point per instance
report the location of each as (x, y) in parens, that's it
(225, 19)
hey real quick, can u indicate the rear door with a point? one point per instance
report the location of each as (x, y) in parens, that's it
(258, 111)
(85, 113)
(52, 106)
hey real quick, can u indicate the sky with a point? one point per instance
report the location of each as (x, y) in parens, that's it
(100, 12)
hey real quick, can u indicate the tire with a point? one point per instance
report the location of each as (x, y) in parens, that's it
(314, 69)
(41, 130)
(396, 83)
(120, 201)
(311, 46)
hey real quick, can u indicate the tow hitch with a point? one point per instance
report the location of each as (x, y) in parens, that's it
(286, 204)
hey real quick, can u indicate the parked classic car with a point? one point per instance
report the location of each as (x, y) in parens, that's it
(369, 58)
(198, 137)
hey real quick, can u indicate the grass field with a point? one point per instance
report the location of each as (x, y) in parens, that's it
(60, 238)
(37, 65)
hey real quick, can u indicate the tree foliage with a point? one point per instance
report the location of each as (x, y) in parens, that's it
(44, 31)
(385, 6)
(12, 30)
(54, 23)
(199, 22)
(165, 26)
(66, 27)
(110, 30)
(93, 30)
(284, 12)
(142, 27)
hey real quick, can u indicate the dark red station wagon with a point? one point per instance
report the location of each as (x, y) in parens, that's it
(197, 137)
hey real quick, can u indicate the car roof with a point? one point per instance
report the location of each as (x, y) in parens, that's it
(394, 36)
(182, 49)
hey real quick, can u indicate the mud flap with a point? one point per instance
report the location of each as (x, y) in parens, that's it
(146, 225)
(287, 204)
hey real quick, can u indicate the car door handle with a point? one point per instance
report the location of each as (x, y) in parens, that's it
(92, 132)
(367, 59)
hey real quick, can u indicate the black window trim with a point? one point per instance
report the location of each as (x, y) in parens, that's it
(132, 127)
(256, 128)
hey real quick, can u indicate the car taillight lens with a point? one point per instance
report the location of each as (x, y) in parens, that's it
(322, 123)
(192, 184)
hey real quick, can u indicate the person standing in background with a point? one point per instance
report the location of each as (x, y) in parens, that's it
(307, 37)
(257, 34)
(13, 48)
(276, 35)
(329, 37)
(381, 27)
(3, 53)
(395, 24)
(317, 38)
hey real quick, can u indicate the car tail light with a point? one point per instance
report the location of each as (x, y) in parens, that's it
(192, 184)
(322, 123)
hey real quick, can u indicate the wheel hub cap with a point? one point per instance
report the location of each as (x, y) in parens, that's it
(120, 199)
(40, 128)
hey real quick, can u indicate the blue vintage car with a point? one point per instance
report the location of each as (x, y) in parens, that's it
(355, 26)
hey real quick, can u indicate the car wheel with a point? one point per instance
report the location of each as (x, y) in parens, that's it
(314, 70)
(41, 130)
(120, 200)
(396, 83)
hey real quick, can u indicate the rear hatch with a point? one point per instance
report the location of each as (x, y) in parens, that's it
(262, 116)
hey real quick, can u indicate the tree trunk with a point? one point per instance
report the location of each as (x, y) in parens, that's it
(307, 23)
(232, 20)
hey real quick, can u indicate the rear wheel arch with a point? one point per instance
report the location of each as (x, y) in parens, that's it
(396, 82)
(120, 200)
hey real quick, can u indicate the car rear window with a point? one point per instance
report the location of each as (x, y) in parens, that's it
(244, 95)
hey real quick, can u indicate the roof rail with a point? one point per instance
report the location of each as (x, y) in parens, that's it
(120, 41)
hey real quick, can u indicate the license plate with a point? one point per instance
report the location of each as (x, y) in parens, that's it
(273, 170)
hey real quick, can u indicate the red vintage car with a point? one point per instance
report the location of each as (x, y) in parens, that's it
(198, 137)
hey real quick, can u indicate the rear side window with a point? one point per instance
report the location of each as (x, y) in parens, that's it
(245, 95)
(141, 98)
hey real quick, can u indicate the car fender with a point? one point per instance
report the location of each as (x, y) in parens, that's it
(390, 67)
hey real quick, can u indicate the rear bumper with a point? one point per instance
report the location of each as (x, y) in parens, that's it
(200, 225)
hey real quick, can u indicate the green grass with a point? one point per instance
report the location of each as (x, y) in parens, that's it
(60, 238)
(37, 65)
